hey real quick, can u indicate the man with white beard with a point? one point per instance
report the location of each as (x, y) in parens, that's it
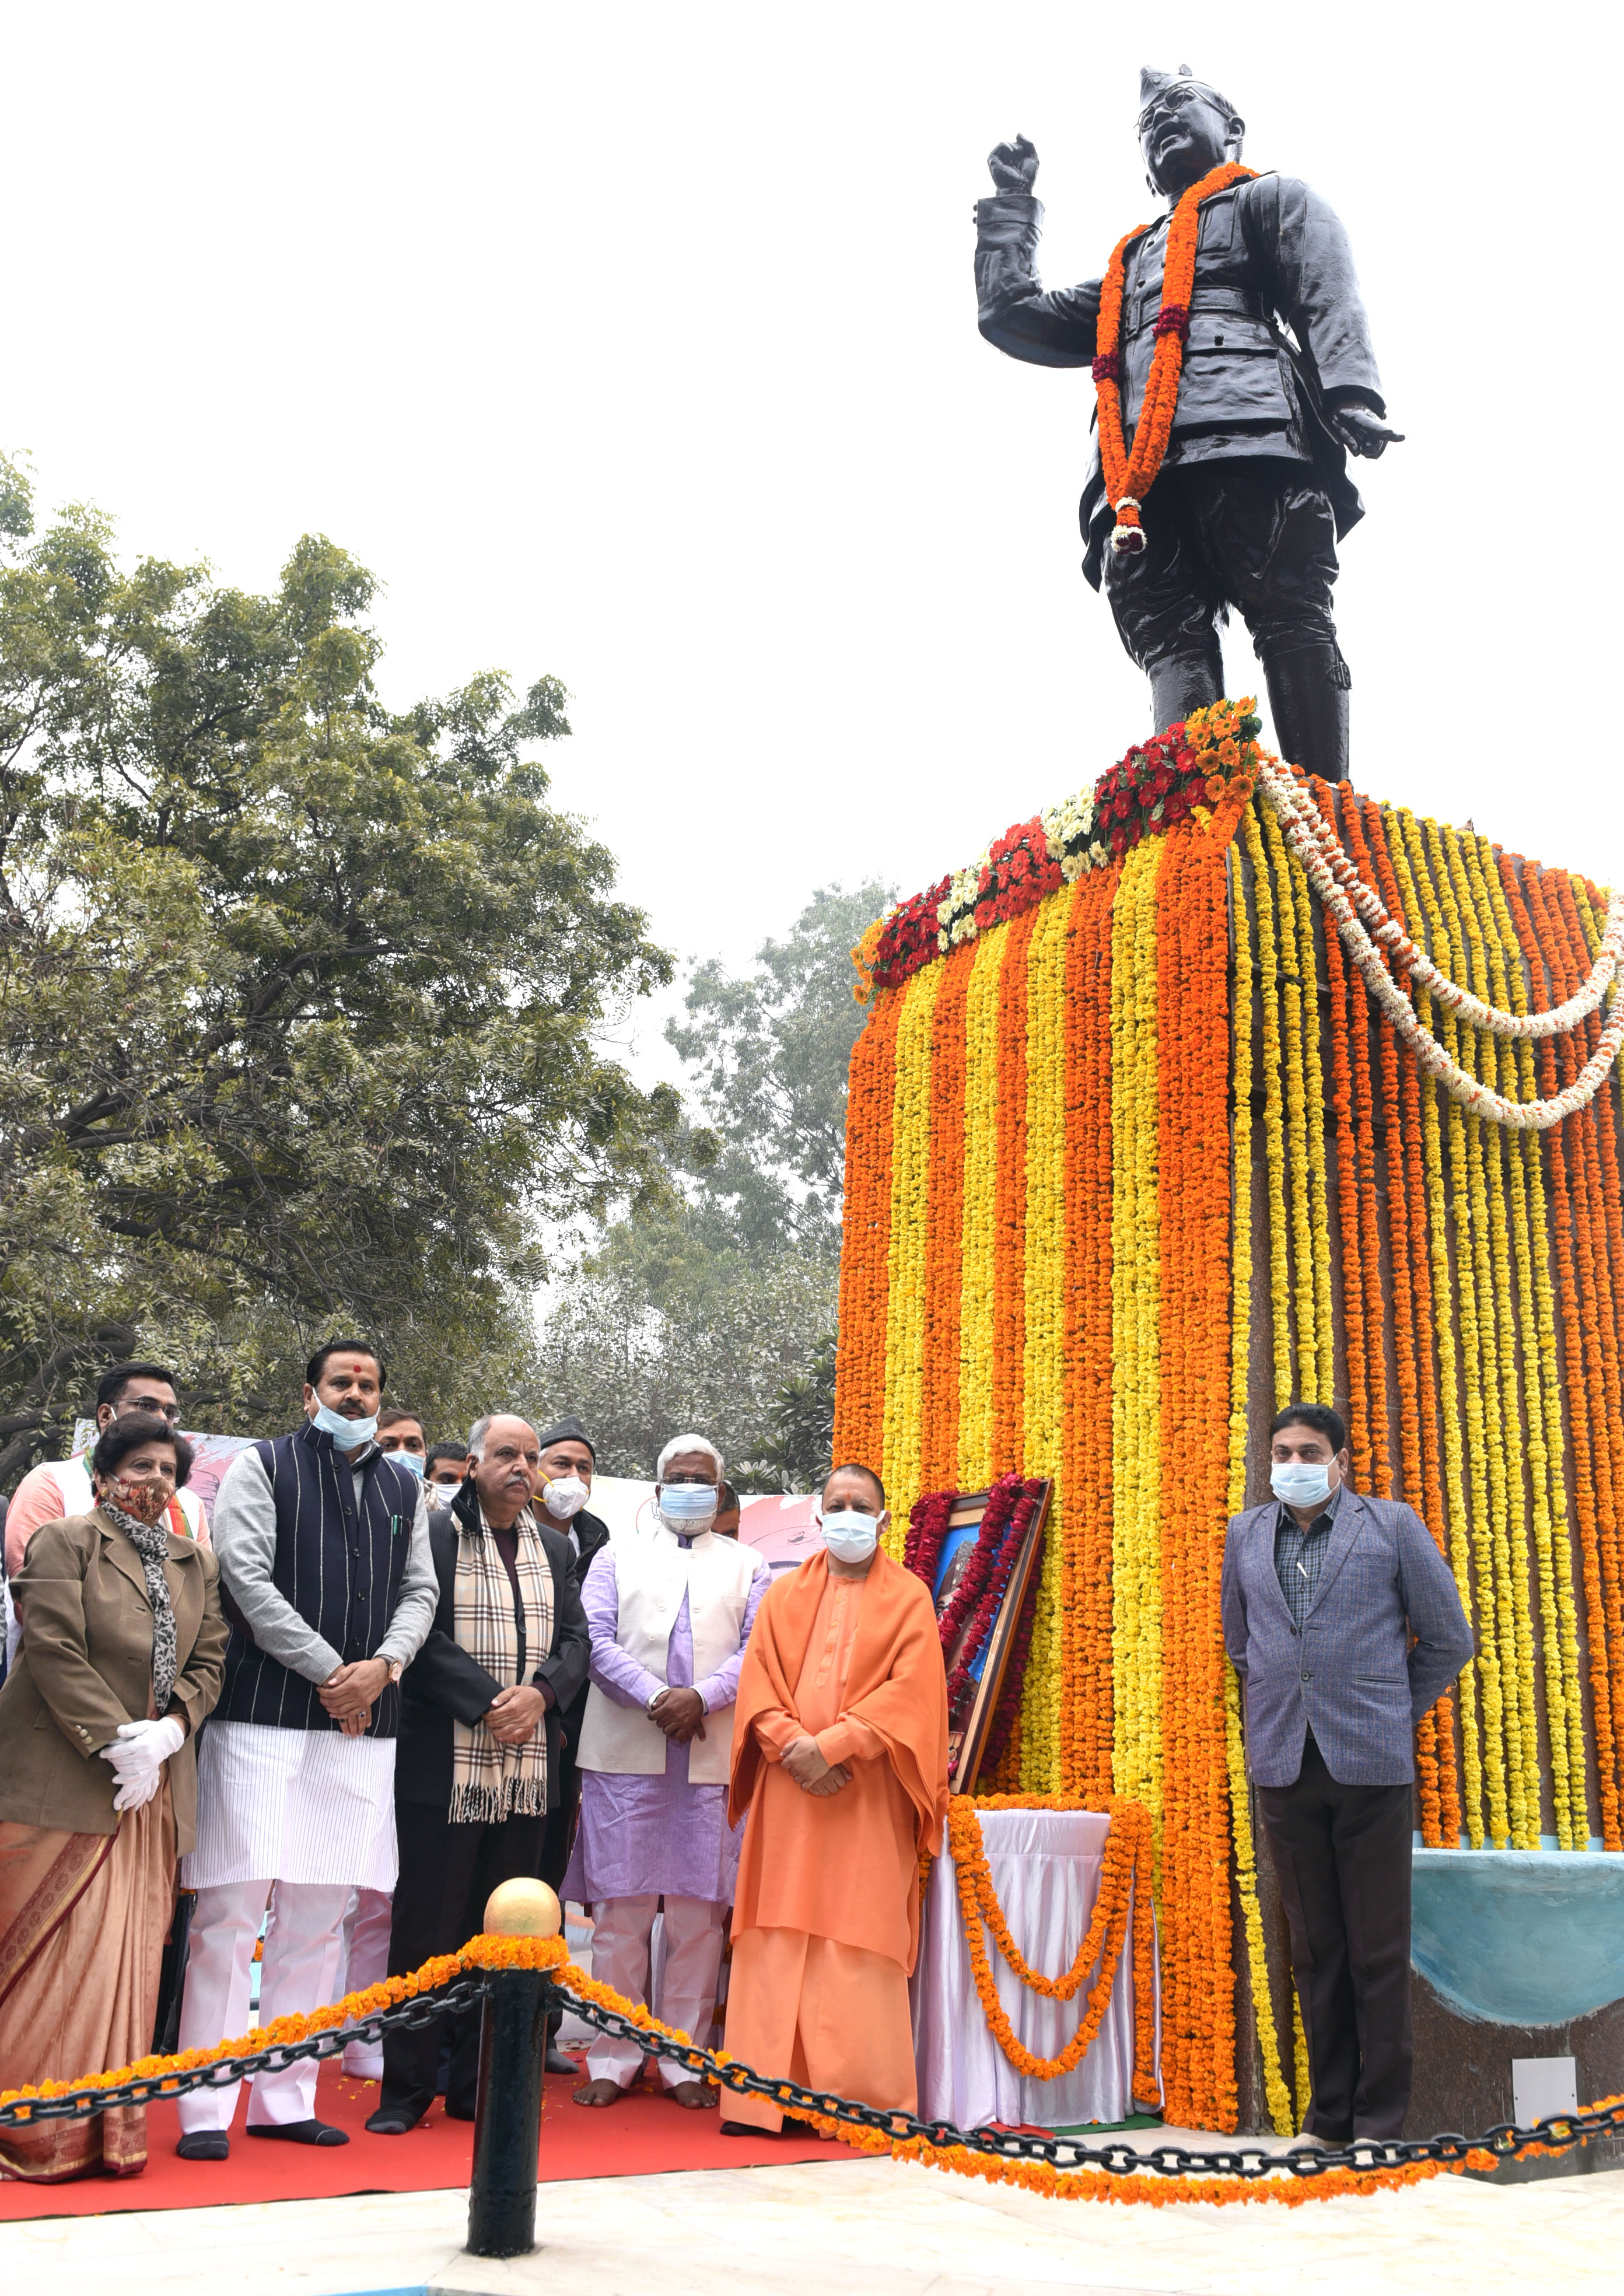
(669, 1616)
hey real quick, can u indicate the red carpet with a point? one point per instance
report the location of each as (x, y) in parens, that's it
(643, 2136)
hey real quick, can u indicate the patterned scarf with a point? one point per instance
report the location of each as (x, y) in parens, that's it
(151, 1542)
(491, 1781)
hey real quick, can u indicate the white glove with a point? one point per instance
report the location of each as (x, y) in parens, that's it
(137, 1756)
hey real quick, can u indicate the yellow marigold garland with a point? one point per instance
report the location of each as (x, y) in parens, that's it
(1507, 1211)
(1280, 2107)
(1404, 845)
(905, 1335)
(1041, 1742)
(1314, 1121)
(1136, 1588)
(1552, 1535)
(981, 1057)
(1274, 1118)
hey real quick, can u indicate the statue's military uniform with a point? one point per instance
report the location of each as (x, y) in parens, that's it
(1253, 492)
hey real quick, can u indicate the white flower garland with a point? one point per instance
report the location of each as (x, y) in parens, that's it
(1335, 879)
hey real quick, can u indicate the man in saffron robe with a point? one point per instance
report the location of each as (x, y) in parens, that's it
(840, 1756)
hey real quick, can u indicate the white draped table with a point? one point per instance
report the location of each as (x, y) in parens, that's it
(1046, 1869)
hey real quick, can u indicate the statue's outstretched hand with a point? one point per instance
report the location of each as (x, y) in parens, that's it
(1361, 432)
(1014, 167)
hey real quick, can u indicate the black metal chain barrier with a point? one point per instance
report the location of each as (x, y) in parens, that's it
(155, 2088)
(1505, 2142)
(1247, 2160)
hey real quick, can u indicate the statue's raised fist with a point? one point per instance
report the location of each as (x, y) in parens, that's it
(1014, 167)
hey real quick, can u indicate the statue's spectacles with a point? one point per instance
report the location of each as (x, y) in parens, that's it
(1171, 99)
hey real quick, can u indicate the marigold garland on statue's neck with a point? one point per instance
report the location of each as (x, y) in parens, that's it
(1129, 476)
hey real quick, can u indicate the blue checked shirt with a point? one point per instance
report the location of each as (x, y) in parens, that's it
(1298, 1555)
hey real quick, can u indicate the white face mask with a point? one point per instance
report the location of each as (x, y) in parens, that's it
(849, 1535)
(688, 1508)
(564, 1496)
(1301, 1482)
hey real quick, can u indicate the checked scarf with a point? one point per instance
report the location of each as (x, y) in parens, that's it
(491, 1781)
(151, 1542)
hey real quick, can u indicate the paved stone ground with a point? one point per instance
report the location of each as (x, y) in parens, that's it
(885, 2226)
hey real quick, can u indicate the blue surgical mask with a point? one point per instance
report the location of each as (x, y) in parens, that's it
(410, 1461)
(348, 1434)
(849, 1535)
(1301, 1482)
(688, 1508)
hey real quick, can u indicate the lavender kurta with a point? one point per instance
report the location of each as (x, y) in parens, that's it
(644, 1836)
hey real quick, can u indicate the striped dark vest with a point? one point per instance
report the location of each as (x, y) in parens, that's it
(340, 1571)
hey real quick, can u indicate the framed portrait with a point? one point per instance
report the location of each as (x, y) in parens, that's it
(970, 1723)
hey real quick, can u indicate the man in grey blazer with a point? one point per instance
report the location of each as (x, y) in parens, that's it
(1342, 1620)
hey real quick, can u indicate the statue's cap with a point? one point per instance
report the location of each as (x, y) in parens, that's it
(1154, 83)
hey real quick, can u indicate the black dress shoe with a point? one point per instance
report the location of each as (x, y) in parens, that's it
(205, 2144)
(298, 2132)
(393, 2121)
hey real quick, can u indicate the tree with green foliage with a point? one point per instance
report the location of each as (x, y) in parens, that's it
(768, 1051)
(720, 1314)
(301, 1001)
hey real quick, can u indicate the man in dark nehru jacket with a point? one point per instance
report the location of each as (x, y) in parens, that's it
(328, 1584)
(563, 1487)
(1342, 1620)
(1279, 386)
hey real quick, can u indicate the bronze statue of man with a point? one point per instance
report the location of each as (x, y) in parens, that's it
(1279, 386)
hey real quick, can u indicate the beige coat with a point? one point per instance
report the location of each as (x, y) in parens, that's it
(85, 1666)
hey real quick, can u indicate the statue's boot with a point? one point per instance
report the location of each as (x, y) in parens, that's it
(1183, 683)
(1308, 696)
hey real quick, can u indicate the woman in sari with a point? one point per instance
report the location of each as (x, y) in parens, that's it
(123, 1658)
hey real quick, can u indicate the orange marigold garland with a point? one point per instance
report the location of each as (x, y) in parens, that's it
(1198, 1993)
(1009, 1204)
(866, 1235)
(944, 1224)
(1129, 476)
(482, 1952)
(1124, 1876)
(551, 1953)
(1086, 1684)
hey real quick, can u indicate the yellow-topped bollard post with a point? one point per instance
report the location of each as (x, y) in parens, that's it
(523, 1907)
(513, 2044)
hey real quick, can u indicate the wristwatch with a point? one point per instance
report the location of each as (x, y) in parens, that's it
(654, 1697)
(396, 1669)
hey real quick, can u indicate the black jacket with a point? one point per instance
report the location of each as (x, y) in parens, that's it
(593, 1535)
(1277, 332)
(443, 1681)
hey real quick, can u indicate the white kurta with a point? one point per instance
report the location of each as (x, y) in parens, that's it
(292, 1806)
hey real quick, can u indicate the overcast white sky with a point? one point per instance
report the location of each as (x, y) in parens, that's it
(637, 343)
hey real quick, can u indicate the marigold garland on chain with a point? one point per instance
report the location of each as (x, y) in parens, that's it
(551, 1955)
